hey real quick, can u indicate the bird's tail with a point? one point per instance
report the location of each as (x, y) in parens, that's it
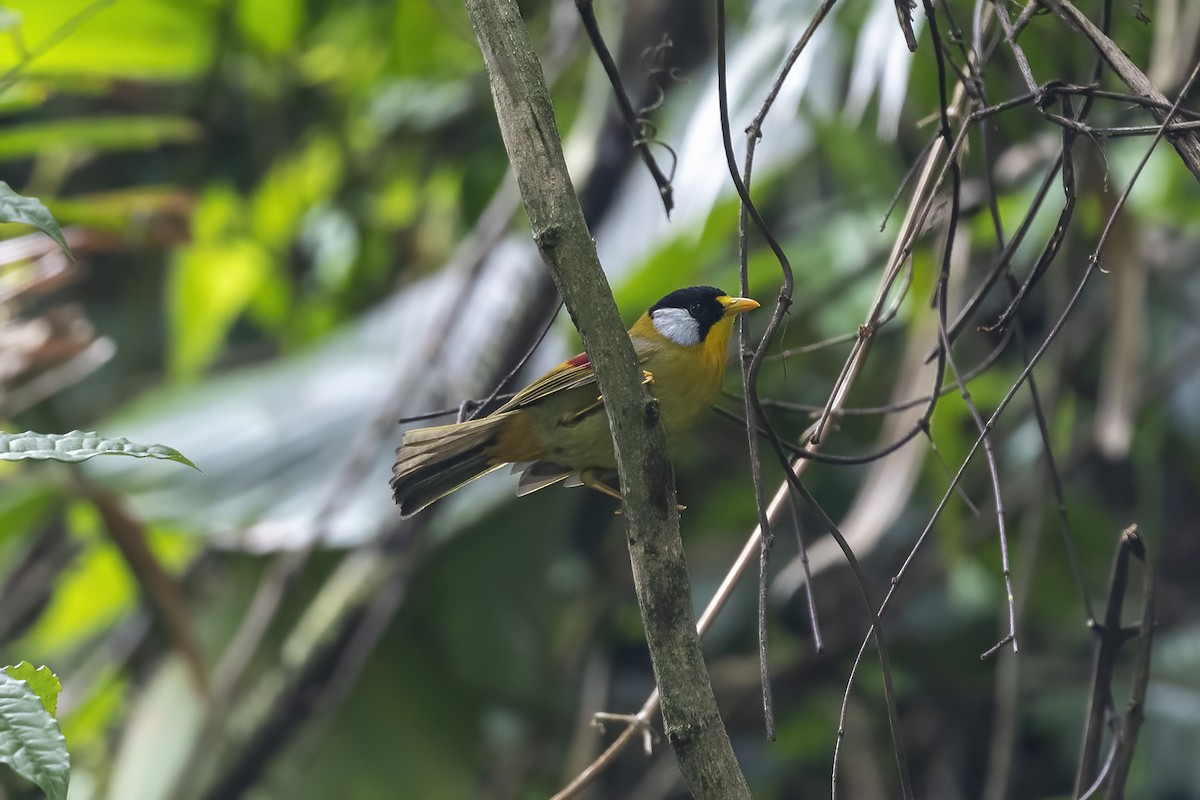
(433, 462)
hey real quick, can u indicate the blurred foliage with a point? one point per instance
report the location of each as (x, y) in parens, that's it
(287, 213)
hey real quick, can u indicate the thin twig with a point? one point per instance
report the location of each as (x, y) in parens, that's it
(1001, 7)
(1050, 251)
(941, 300)
(903, 247)
(636, 129)
(1051, 336)
(519, 365)
(989, 454)
(751, 361)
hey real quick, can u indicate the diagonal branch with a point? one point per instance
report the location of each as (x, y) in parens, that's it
(692, 723)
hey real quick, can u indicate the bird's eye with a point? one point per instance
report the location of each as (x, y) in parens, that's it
(696, 309)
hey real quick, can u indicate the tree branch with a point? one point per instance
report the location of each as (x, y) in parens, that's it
(692, 723)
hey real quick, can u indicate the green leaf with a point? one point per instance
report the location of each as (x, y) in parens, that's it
(210, 286)
(30, 740)
(79, 446)
(139, 39)
(274, 25)
(41, 680)
(96, 134)
(30, 211)
(124, 209)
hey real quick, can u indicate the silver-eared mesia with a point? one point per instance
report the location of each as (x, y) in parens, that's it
(555, 429)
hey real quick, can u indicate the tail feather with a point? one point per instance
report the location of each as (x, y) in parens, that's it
(433, 462)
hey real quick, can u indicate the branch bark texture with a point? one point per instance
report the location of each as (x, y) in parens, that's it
(692, 723)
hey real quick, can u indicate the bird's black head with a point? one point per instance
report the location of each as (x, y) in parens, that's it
(702, 306)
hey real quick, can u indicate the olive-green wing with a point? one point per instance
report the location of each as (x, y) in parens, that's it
(568, 375)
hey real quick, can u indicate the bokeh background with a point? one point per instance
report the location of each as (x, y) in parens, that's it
(294, 226)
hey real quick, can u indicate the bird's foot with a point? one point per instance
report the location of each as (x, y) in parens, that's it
(635, 721)
(591, 481)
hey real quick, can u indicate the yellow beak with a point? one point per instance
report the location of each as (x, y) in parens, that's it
(738, 305)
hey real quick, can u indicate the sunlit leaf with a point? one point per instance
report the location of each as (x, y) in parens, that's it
(123, 210)
(211, 285)
(29, 211)
(429, 40)
(79, 446)
(30, 740)
(271, 24)
(131, 38)
(295, 184)
(41, 680)
(348, 49)
(106, 134)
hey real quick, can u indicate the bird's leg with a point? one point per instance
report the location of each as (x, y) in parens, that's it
(591, 481)
(575, 416)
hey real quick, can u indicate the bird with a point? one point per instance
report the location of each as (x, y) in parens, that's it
(556, 430)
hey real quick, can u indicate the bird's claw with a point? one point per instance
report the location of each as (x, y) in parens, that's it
(679, 508)
(635, 721)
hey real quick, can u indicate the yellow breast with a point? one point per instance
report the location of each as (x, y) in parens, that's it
(687, 380)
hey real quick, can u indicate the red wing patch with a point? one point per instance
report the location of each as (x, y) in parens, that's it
(580, 360)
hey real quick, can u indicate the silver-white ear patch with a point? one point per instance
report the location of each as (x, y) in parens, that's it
(677, 325)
